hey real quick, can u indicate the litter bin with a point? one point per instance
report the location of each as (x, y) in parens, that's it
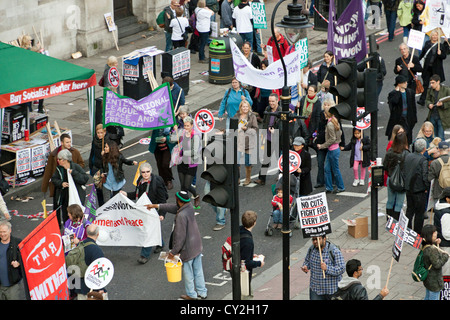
(221, 69)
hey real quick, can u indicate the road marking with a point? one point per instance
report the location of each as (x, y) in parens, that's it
(352, 194)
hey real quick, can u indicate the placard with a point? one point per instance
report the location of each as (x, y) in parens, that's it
(411, 237)
(38, 160)
(113, 77)
(259, 15)
(99, 274)
(314, 215)
(415, 39)
(400, 236)
(204, 121)
(294, 161)
(362, 123)
(110, 21)
(23, 163)
(302, 47)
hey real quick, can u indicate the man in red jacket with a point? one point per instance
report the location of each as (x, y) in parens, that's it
(282, 42)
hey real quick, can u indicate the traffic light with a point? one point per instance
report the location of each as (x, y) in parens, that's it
(345, 89)
(219, 173)
(368, 98)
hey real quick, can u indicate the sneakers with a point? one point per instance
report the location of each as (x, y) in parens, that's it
(142, 260)
(218, 227)
(355, 182)
(361, 182)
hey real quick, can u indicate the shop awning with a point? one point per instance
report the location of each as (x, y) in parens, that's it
(26, 76)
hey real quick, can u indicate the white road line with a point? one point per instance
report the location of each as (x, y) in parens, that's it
(353, 194)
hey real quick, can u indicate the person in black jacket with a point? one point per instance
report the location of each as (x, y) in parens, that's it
(416, 185)
(441, 221)
(350, 288)
(96, 158)
(11, 259)
(155, 188)
(402, 106)
(406, 67)
(247, 245)
(113, 161)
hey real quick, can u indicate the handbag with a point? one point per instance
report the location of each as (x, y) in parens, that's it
(185, 33)
(397, 179)
(175, 157)
(419, 86)
(99, 180)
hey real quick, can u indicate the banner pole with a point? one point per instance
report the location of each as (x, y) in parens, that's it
(389, 274)
(321, 260)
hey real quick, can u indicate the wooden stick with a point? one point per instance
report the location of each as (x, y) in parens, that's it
(133, 144)
(439, 39)
(50, 137)
(389, 274)
(57, 128)
(115, 40)
(412, 55)
(320, 253)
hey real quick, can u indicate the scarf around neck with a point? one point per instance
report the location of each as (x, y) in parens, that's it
(308, 105)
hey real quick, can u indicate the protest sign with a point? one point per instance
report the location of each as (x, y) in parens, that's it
(113, 77)
(314, 215)
(410, 236)
(302, 47)
(259, 15)
(347, 35)
(125, 223)
(294, 161)
(436, 14)
(415, 39)
(99, 273)
(399, 236)
(204, 121)
(363, 123)
(154, 111)
(91, 205)
(44, 263)
(270, 78)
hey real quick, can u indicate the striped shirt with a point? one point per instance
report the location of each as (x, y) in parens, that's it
(333, 274)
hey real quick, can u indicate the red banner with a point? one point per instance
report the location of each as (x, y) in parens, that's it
(38, 93)
(43, 260)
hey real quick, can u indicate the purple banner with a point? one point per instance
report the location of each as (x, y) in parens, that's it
(91, 206)
(347, 35)
(151, 112)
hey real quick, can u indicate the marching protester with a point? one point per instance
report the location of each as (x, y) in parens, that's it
(203, 24)
(404, 17)
(169, 14)
(190, 143)
(304, 172)
(282, 42)
(416, 22)
(161, 147)
(402, 107)
(153, 186)
(271, 126)
(390, 10)
(187, 243)
(310, 107)
(261, 97)
(426, 133)
(433, 58)
(351, 288)
(179, 25)
(324, 70)
(247, 139)
(406, 67)
(360, 155)
(113, 161)
(436, 167)
(416, 185)
(439, 111)
(76, 224)
(96, 157)
(10, 261)
(434, 259)
(330, 263)
(110, 63)
(244, 26)
(395, 155)
(52, 163)
(231, 101)
(333, 133)
(60, 181)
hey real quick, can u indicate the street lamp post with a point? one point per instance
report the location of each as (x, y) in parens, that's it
(295, 25)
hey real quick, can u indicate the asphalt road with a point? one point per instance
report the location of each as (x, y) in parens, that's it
(133, 281)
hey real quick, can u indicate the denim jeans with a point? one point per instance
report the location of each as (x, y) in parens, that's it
(391, 18)
(147, 251)
(220, 212)
(194, 278)
(431, 295)
(395, 199)
(204, 36)
(332, 169)
(257, 38)
(277, 216)
(321, 156)
(438, 129)
(246, 158)
(247, 37)
(315, 296)
(169, 44)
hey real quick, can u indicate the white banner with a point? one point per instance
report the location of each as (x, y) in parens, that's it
(125, 223)
(270, 78)
(436, 15)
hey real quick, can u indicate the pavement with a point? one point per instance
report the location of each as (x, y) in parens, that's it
(71, 112)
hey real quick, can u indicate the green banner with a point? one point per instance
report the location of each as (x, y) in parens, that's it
(259, 15)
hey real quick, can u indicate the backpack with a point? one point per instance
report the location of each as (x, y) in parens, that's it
(160, 19)
(331, 247)
(75, 257)
(420, 273)
(226, 252)
(444, 174)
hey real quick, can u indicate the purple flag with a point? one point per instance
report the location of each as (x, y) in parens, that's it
(347, 35)
(151, 112)
(90, 208)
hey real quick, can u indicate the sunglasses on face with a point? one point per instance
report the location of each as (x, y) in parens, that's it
(145, 171)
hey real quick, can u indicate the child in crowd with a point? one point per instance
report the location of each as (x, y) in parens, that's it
(76, 224)
(360, 156)
(277, 204)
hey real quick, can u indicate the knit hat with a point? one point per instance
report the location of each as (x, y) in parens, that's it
(400, 79)
(183, 196)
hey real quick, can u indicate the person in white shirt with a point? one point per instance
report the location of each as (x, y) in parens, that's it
(179, 25)
(203, 26)
(244, 26)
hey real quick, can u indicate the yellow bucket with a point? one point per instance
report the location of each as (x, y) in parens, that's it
(173, 270)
